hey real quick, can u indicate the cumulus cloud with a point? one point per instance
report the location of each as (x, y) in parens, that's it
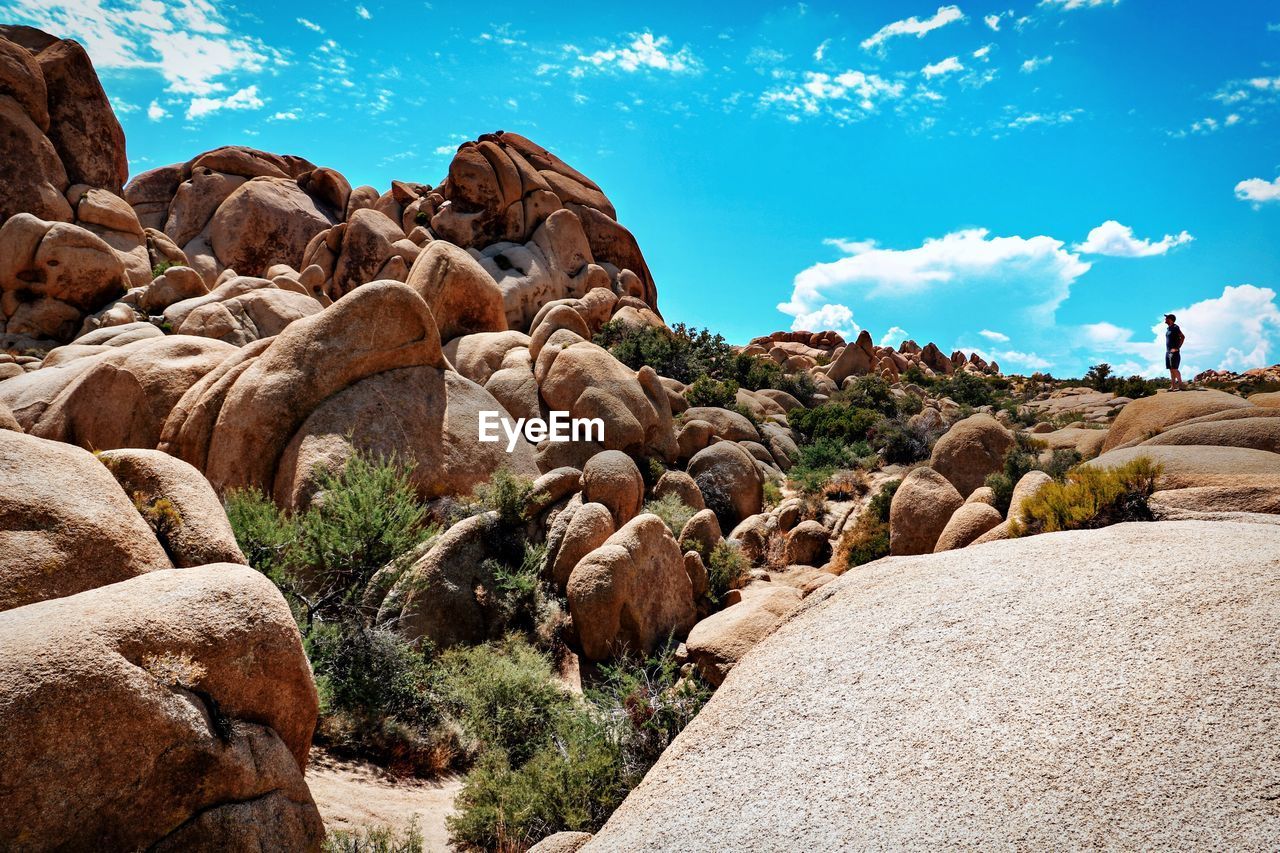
(982, 52)
(645, 52)
(1258, 191)
(1238, 330)
(998, 337)
(1028, 277)
(155, 112)
(950, 65)
(1035, 63)
(914, 26)
(894, 336)
(363, 12)
(1117, 241)
(188, 42)
(838, 318)
(244, 99)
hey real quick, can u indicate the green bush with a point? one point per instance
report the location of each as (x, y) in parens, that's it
(870, 392)
(836, 420)
(1023, 458)
(504, 694)
(674, 512)
(160, 268)
(899, 442)
(967, 389)
(772, 493)
(809, 482)
(266, 535)
(829, 453)
(868, 539)
(727, 568)
(381, 839)
(1090, 498)
(706, 391)
(682, 352)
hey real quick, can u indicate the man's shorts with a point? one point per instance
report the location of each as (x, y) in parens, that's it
(1172, 360)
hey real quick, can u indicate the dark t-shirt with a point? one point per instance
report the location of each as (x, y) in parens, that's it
(1172, 337)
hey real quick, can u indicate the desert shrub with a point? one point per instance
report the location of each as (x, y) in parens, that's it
(1135, 387)
(727, 568)
(160, 268)
(1090, 498)
(1099, 378)
(870, 392)
(526, 602)
(772, 493)
(809, 482)
(1020, 459)
(967, 389)
(375, 839)
(836, 420)
(507, 494)
(674, 512)
(1060, 463)
(572, 782)
(901, 442)
(504, 694)
(682, 352)
(829, 453)
(706, 391)
(846, 485)
(868, 539)
(910, 404)
(265, 534)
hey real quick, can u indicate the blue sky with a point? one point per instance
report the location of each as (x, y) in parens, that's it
(1039, 181)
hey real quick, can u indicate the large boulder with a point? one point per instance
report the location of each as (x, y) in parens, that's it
(260, 313)
(179, 504)
(1149, 416)
(719, 642)
(919, 512)
(263, 222)
(1259, 433)
(970, 450)
(1188, 466)
(944, 687)
(632, 592)
(966, 524)
(462, 297)
(68, 526)
(172, 711)
(587, 527)
(730, 482)
(610, 478)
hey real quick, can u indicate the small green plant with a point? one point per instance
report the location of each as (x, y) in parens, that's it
(836, 421)
(674, 512)
(160, 268)
(1091, 497)
(706, 391)
(507, 494)
(422, 218)
(161, 514)
(772, 493)
(376, 839)
(682, 352)
(868, 539)
(727, 569)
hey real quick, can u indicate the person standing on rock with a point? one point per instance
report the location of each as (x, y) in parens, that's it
(1173, 339)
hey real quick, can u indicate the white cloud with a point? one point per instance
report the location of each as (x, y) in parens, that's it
(846, 96)
(998, 337)
(123, 107)
(982, 52)
(155, 112)
(311, 25)
(821, 51)
(645, 51)
(1030, 119)
(1035, 63)
(244, 99)
(992, 21)
(188, 42)
(1078, 4)
(288, 115)
(1258, 191)
(1117, 241)
(894, 336)
(838, 318)
(913, 26)
(1238, 330)
(1028, 276)
(363, 12)
(950, 65)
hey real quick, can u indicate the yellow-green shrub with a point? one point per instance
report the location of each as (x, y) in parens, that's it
(1091, 497)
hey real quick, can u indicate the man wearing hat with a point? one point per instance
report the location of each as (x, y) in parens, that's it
(1173, 339)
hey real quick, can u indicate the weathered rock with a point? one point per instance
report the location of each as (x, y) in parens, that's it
(261, 313)
(200, 679)
(588, 528)
(31, 172)
(966, 524)
(681, 485)
(613, 480)
(179, 504)
(1087, 442)
(921, 508)
(955, 647)
(726, 424)
(729, 480)
(1027, 487)
(632, 592)
(67, 526)
(1189, 466)
(462, 297)
(1216, 501)
(1259, 433)
(1148, 416)
(808, 544)
(970, 450)
(561, 842)
(719, 642)
(263, 222)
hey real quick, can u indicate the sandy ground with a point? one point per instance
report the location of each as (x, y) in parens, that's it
(353, 794)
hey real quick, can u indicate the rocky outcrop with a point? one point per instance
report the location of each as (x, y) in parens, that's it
(970, 450)
(173, 711)
(1144, 418)
(919, 512)
(966, 652)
